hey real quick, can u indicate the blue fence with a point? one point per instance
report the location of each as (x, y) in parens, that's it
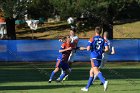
(47, 50)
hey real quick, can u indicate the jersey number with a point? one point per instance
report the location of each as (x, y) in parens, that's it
(98, 43)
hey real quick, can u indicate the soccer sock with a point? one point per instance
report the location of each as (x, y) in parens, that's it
(62, 76)
(100, 76)
(51, 77)
(89, 82)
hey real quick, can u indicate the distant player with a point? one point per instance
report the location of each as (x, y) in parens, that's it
(74, 42)
(96, 46)
(62, 60)
(106, 54)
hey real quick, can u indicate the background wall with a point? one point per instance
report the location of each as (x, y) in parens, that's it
(47, 50)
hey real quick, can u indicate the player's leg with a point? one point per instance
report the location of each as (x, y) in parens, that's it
(99, 74)
(104, 60)
(53, 73)
(65, 68)
(70, 61)
(90, 78)
(58, 64)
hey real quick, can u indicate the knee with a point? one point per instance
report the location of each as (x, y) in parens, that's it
(56, 70)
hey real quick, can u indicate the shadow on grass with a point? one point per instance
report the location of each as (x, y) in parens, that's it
(38, 87)
(37, 74)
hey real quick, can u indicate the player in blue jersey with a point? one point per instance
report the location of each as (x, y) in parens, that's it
(96, 46)
(106, 54)
(62, 59)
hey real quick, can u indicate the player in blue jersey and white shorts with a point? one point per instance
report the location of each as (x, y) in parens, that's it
(96, 45)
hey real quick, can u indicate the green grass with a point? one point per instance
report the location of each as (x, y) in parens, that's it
(32, 78)
(128, 30)
(55, 30)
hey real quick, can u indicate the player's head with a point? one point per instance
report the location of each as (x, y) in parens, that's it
(105, 35)
(66, 39)
(72, 32)
(98, 30)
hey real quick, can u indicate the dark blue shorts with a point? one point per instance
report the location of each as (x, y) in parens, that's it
(63, 65)
(95, 63)
(96, 57)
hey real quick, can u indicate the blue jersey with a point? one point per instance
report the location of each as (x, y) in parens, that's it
(97, 44)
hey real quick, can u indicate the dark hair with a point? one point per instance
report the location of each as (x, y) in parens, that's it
(98, 30)
(65, 38)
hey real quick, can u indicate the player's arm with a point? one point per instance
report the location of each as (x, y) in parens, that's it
(89, 44)
(106, 47)
(63, 50)
(112, 50)
(82, 48)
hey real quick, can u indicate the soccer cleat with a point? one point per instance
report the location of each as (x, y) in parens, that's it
(84, 89)
(58, 80)
(65, 78)
(105, 85)
(50, 80)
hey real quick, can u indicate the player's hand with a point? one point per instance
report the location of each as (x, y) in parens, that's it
(83, 48)
(60, 40)
(112, 53)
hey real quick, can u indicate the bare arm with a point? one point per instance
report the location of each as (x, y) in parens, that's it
(88, 48)
(106, 49)
(85, 48)
(113, 50)
(63, 50)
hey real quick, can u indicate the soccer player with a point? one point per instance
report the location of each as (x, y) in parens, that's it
(74, 42)
(96, 46)
(62, 59)
(105, 54)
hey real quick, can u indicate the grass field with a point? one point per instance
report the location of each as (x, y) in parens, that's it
(32, 78)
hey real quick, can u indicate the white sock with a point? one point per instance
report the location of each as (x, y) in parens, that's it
(95, 76)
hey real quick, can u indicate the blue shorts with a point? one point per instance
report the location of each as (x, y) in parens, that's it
(96, 57)
(95, 63)
(63, 65)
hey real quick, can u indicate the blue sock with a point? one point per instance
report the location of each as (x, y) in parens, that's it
(100, 76)
(62, 76)
(51, 77)
(89, 82)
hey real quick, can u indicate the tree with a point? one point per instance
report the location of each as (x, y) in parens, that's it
(13, 9)
(105, 11)
(40, 8)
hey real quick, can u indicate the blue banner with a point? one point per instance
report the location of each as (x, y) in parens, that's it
(47, 50)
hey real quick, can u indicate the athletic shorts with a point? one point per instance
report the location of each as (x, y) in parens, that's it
(96, 57)
(61, 64)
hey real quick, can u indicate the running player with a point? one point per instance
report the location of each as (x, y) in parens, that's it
(106, 54)
(62, 59)
(96, 46)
